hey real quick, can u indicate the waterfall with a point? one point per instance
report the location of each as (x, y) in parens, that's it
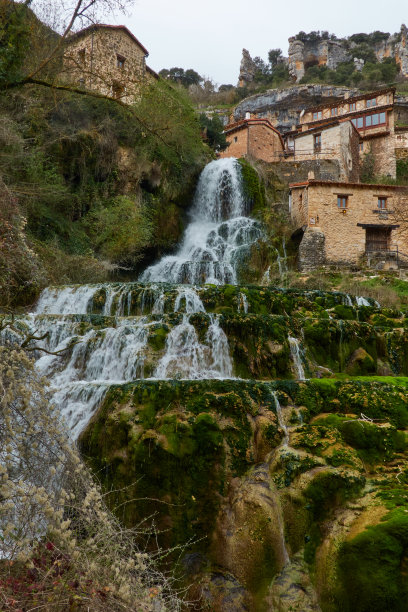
(114, 333)
(284, 443)
(282, 424)
(296, 357)
(219, 235)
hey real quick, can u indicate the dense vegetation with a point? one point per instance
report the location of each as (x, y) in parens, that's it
(88, 185)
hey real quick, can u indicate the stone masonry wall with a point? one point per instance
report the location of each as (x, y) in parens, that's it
(344, 239)
(339, 142)
(91, 60)
(264, 143)
(298, 171)
(238, 146)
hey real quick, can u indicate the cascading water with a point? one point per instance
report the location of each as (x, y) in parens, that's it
(98, 335)
(294, 346)
(218, 236)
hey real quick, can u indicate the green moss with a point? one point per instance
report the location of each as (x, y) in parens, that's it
(157, 337)
(371, 566)
(254, 188)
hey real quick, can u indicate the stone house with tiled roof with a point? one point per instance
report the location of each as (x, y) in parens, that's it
(347, 222)
(254, 138)
(108, 59)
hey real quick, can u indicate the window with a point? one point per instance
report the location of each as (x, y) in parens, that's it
(369, 121)
(81, 56)
(317, 115)
(382, 203)
(120, 61)
(371, 102)
(334, 112)
(317, 142)
(352, 106)
(342, 201)
(235, 138)
(361, 147)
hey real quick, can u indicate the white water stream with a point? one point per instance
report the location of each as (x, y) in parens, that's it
(219, 234)
(295, 353)
(99, 336)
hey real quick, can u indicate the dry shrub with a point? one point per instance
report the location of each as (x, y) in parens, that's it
(60, 547)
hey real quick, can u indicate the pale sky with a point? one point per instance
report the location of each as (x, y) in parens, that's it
(208, 36)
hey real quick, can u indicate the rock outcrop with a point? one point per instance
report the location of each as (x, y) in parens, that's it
(302, 55)
(247, 69)
(327, 52)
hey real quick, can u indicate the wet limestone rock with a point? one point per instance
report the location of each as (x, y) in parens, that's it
(360, 363)
(292, 589)
(249, 539)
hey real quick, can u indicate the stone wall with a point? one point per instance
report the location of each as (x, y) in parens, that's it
(93, 59)
(339, 142)
(314, 205)
(312, 252)
(264, 143)
(238, 144)
(298, 171)
(401, 142)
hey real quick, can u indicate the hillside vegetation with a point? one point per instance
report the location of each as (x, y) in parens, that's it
(89, 187)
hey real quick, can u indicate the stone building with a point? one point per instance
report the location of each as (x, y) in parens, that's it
(401, 142)
(108, 59)
(373, 116)
(337, 140)
(254, 138)
(341, 222)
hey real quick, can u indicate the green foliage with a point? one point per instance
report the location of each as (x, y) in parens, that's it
(274, 56)
(14, 40)
(369, 39)
(213, 131)
(315, 36)
(179, 75)
(254, 187)
(374, 73)
(402, 171)
(367, 168)
(120, 230)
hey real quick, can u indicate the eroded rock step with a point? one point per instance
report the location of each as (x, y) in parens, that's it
(209, 460)
(258, 346)
(125, 299)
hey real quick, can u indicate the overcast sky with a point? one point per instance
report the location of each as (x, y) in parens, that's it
(209, 35)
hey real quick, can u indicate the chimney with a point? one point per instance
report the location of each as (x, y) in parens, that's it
(247, 115)
(310, 175)
(347, 95)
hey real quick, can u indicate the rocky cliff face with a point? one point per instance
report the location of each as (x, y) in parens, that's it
(282, 106)
(320, 52)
